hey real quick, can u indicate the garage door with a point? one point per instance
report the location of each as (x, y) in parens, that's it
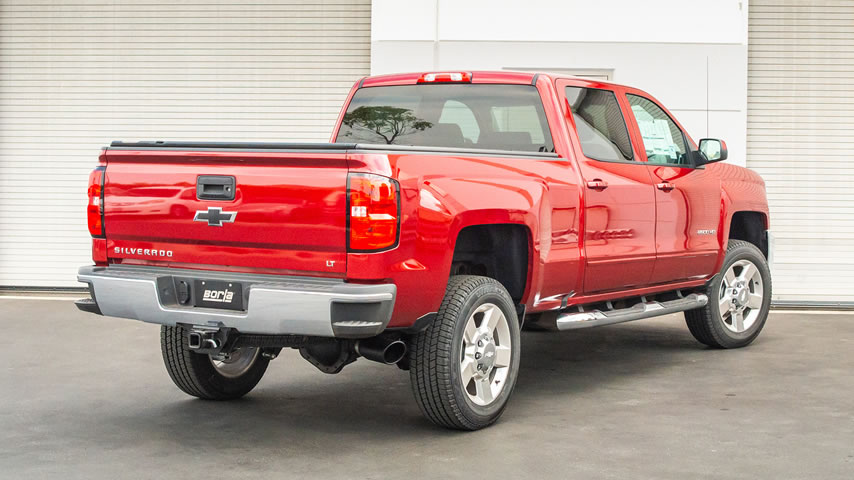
(799, 132)
(77, 74)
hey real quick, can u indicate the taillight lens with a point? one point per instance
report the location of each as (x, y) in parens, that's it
(374, 211)
(95, 208)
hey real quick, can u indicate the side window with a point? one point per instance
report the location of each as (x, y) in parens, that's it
(600, 124)
(662, 139)
(458, 113)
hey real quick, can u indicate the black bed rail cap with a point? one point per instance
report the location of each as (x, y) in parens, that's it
(161, 144)
(328, 147)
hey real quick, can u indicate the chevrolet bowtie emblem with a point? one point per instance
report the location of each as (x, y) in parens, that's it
(214, 216)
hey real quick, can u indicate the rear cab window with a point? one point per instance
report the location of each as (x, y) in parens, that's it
(481, 116)
(599, 124)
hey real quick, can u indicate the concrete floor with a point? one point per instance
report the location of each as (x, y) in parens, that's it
(87, 397)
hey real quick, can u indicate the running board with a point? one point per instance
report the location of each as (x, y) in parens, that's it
(596, 318)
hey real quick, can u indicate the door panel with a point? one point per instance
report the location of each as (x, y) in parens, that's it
(687, 223)
(619, 228)
(619, 198)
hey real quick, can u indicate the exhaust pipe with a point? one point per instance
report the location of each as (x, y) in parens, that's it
(381, 350)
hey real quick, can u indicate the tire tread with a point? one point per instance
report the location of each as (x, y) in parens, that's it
(701, 321)
(184, 369)
(430, 358)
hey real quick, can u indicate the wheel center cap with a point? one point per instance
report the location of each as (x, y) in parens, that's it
(488, 357)
(742, 296)
(485, 356)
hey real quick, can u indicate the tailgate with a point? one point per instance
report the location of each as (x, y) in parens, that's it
(175, 207)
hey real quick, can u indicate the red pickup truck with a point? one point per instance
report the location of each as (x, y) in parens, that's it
(450, 210)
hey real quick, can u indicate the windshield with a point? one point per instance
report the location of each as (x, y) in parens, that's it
(493, 117)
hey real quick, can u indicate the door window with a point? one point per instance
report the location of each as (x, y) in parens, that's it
(662, 139)
(600, 124)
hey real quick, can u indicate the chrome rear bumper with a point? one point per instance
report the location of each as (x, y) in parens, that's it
(275, 305)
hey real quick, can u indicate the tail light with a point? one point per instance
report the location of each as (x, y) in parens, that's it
(95, 208)
(373, 205)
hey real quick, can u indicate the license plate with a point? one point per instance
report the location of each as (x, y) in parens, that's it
(219, 294)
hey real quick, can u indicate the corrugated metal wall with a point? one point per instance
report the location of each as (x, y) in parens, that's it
(75, 75)
(800, 116)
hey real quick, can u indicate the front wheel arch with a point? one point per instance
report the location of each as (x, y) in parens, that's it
(749, 226)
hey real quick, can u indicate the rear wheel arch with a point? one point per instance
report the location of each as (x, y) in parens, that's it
(501, 251)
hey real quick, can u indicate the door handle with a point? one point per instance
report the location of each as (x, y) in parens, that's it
(665, 186)
(215, 187)
(597, 184)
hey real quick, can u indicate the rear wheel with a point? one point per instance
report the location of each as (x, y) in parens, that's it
(739, 300)
(207, 377)
(464, 366)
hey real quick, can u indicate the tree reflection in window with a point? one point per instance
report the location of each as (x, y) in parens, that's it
(385, 121)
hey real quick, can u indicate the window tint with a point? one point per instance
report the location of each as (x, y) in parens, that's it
(600, 124)
(494, 117)
(518, 118)
(460, 114)
(662, 139)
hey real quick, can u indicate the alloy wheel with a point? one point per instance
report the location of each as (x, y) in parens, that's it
(486, 354)
(741, 296)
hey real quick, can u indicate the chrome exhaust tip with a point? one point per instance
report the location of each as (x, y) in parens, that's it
(382, 351)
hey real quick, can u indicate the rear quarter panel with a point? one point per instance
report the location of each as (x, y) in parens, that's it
(441, 195)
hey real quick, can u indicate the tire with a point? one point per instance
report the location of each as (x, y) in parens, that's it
(197, 375)
(438, 355)
(708, 325)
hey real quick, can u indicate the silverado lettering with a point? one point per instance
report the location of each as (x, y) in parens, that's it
(449, 210)
(142, 251)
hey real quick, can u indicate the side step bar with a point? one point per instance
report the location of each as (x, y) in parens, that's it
(595, 318)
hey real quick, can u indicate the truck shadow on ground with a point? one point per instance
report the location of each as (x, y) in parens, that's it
(373, 402)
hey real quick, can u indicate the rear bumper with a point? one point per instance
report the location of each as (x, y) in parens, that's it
(275, 305)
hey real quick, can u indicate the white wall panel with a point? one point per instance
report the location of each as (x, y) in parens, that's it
(666, 21)
(75, 75)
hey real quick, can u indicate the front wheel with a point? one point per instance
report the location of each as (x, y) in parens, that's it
(739, 300)
(464, 366)
(206, 377)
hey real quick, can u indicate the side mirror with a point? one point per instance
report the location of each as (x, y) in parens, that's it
(711, 150)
